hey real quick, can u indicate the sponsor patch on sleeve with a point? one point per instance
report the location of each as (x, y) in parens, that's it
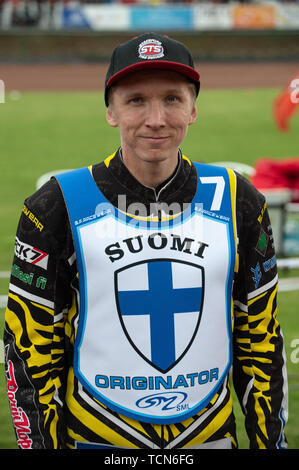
(31, 254)
(262, 243)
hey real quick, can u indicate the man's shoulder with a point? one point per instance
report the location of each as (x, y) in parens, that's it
(248, 198)
(45, 208)
(247, 191)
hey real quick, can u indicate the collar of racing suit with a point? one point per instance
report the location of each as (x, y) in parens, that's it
(122, 189)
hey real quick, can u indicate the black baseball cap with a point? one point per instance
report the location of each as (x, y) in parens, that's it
(150, 51)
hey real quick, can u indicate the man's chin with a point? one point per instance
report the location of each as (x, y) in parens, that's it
(158, 155)
(150, 154)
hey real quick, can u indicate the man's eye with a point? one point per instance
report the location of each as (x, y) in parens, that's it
(136, 100)
(171, 99)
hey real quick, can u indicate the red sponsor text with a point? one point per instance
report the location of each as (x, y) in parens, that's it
(20, 419)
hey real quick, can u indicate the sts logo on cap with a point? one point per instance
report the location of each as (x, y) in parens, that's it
(151, 49)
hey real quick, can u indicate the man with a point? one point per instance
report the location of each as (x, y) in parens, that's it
(138, 282)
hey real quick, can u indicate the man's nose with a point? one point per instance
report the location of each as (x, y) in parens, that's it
(155, 115)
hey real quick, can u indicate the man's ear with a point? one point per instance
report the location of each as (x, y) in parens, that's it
(110, 117)
(193, 115)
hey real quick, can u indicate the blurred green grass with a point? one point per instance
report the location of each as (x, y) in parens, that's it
(41, 132)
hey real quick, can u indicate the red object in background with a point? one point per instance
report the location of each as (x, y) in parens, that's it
(286, 104)
(277, 174)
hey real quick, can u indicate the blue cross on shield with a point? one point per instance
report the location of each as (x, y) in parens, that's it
(159, 304)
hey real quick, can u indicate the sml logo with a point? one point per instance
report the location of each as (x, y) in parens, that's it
(2, 92)
(165, 401)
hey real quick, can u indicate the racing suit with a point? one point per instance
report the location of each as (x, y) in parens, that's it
(50, 406)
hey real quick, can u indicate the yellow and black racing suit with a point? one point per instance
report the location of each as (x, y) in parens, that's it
(50, 407)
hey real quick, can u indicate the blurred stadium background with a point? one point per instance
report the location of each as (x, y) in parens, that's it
(53, 59)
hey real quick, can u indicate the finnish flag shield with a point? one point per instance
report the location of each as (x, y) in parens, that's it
(159, 304)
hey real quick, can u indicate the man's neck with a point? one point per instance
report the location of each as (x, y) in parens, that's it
(151, 174)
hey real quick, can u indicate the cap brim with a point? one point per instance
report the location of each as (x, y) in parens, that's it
(185, 70)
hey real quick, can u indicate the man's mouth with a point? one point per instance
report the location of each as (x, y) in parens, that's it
(151, 138)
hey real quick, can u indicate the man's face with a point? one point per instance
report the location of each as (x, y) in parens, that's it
(153, 110)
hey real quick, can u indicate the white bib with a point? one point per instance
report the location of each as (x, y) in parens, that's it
(154, 340)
